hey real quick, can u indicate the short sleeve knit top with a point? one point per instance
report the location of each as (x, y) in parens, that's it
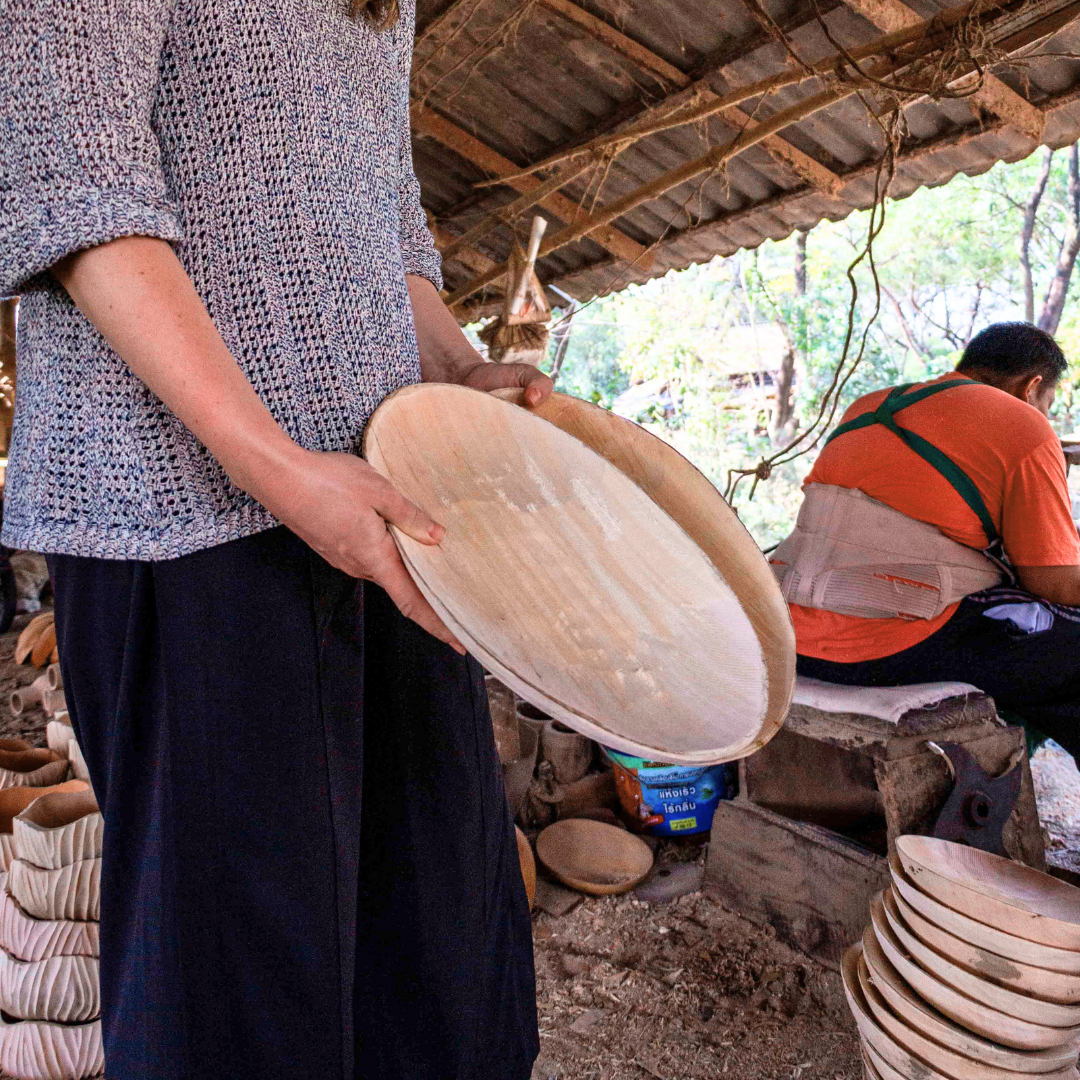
(269, 141)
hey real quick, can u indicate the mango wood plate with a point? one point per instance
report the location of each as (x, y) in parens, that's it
(915, 1042)
(576, 589)
(1010, 1002)
(593, 857)
(990, 1023)
(528, 865)
(916, 1013)
(986, 937)
(877, 1067)
(873, 1035)
(998, 892)
(1053, 986)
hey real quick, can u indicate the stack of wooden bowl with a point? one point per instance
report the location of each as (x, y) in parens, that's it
(970, 969)
(50, 1000)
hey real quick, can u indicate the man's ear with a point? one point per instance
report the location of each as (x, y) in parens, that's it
(1030, 387)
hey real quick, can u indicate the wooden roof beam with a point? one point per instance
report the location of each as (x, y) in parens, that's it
(425, 122)
(779, 149)
(994, 96)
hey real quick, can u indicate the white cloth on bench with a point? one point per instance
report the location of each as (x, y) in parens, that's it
(884, 702)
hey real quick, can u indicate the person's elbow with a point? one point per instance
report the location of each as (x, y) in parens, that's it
(1058, 584)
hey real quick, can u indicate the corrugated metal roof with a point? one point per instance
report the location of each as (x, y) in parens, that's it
(506, 83)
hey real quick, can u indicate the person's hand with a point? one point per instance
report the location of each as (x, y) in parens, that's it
(487, 376)
(340, 506)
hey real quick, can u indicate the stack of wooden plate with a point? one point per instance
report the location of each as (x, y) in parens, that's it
(970, 970)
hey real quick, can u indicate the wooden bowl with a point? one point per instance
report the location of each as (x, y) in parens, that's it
(986, 937)
(575, 588)
(916, 1013)
(945, 1060)
(991, 1024)
(1010, 1002)
(688, 497)
(871, 1032)
(998, 892)
(877, 1068)
(1054, 986)
(593, 857)
(527, 864)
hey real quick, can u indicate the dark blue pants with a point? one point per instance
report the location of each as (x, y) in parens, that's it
(309, 871)
(1034, 677)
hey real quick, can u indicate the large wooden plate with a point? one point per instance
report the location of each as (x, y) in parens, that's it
(947, 1061)
(990, 1023)
(986, 937)
(996, 891)
(1052, 986)
(1010, 1002)
(564, 578)
(916, 1013)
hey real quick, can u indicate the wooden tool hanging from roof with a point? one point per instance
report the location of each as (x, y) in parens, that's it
(520, 334)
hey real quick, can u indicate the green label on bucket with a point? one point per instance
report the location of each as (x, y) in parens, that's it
(667, 799)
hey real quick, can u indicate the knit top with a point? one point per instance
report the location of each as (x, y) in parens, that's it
(268, 140)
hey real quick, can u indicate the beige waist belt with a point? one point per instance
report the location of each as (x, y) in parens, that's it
(856, 556)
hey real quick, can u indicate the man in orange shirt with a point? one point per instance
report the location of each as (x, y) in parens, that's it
(883, 573)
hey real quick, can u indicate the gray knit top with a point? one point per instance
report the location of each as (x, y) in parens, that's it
(269, 141)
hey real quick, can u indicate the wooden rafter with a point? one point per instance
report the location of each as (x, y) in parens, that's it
(426, 122)
(1013, 29)
(994, 96)
(791, 157)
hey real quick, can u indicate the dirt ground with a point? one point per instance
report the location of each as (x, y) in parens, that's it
(683, 990)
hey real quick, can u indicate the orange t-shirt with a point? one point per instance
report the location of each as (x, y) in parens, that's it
(1011, 454)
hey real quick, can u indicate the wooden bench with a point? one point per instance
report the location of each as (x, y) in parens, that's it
(804, 846)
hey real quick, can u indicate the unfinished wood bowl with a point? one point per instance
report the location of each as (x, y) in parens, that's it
(1036, 982)
(77, 761)
(877, 1068)
(998, 892)
(872, 1034)
(44, 647)
(617, 624)
(985, 937)
(60, 828)
(528, 865)
(64, 989)
(987, 1022)
(72, 892)
(38, 1050)
(14, 800)
(31, 634)
(946, 1060)
(27, 766)
(1010, 1002)
(57, 736)
(27, 938)
(688, 497)
(921, 1016)
(593, 857)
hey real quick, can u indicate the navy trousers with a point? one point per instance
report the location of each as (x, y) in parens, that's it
(309, 868)
(1033, 677)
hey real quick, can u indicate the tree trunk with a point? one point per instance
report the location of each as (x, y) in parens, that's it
(1058, 290)
(785, 379)
(7, 373)
(1031, 208)
(561, 336)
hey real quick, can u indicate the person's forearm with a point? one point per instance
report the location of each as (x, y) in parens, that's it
(445, 352)
(136, 293)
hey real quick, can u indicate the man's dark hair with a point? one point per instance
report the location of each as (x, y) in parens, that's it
(1009, 349)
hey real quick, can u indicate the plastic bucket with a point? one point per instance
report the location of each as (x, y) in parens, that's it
(671, 800)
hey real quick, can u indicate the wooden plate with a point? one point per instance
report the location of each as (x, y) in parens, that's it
(1010, 1002)
(688, 497)
(984, 1021)
(878, 1067)
(873, 1035)
(528, 865)
(1053, 986)
(566, 580)
(986, 937)
(914, 1011)
(593, 857)
(996, 891)
(947, 1061)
